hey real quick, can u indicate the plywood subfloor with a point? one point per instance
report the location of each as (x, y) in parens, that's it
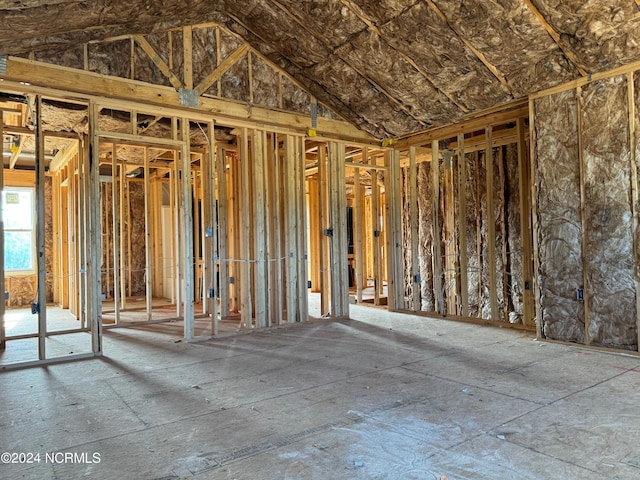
(383, 395)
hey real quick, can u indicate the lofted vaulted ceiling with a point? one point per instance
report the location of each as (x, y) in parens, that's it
(391, 67)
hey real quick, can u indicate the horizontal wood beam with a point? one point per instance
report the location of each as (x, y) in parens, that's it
(139, 140)
(365, 166)
(79, 85)
(509, 114)
(582, 81)
(10, 110)
(473, 144)
(19, 178)
(18, 130)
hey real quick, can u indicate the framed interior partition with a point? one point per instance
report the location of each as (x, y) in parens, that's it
(353, 202)
(174, 204)
(33, 272)
(466, 222)
(159, 190)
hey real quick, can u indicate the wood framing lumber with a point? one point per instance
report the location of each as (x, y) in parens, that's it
(338, 239)
(526, 233)
(214, 241)
(63, 156)
(358, 194)
(471, 47)
(450, 261)
(292, 230)
(583, 221)
(259, 236)
(469, 124)
(187, 47)
(301, 208)
(64, 82)
(123, 257)
(324, 219)
(438, 274)
(556, 37)
(462, 221)
(157, 61)
(115, 212)
(492, 265)
(186, 188)
(273, 182)
(393, 232)
(416, 300)
(148, 277)
(221, 69)
(634, 190)
(246, 307)
(376, 232)
(223, 236)
(40, 232)
(533, 192)
(94, 240)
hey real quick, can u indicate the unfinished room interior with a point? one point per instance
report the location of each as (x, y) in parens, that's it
(340, 239)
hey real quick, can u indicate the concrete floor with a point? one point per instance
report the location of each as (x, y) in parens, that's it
(381, 396)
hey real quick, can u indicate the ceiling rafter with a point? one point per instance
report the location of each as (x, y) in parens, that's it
(492, 68)
(363, 17)
(556, 37)
(157, 61)
(378, 87)
(357, 11)
(390, 97)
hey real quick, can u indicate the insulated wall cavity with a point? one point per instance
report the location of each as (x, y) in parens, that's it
(515, 279)
(608, 247)
(584, 171)
(425, 235)
(559, 232)
(474, 227)
(487, 243)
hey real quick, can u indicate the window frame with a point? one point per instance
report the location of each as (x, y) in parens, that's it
(32, 193)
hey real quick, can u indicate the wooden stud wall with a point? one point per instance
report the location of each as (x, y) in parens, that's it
(324, 221)
(89, 208)
(246, 306)
(339, 305)
(224, 229)
(413, 216)
(393, 229)
(40, 232)
(462, 225)
(438, 274)
(94, 309)
(449, 255)
(263, 234)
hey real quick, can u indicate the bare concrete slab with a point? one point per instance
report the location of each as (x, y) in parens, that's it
(380, 396)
